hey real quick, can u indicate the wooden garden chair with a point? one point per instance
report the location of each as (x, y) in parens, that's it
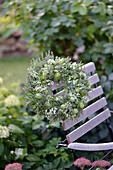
(103, 115)
(111, 168)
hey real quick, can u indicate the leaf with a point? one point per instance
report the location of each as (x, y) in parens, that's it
(103, 79)
(82, 9)
(74, 8)
(2, 119)
(38, 143)
(25, 119)
(3, 110)
(15, 129)
(56, 24)
(108, 50)
(87, 2)
(56, 162)
(54, 8)
(37, 125)
(55, 124)
(39, 168)
(8, 33)
(110, 77)
(1, 148)
(96, 9)
(63, 18)
(32, 158)
(27, 165)
(91, 28)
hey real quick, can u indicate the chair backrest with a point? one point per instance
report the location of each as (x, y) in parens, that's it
(111, 168)
(98, 105)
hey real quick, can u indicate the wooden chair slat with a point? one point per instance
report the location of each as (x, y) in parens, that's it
(86, 112)
(90, 67)
(111, 168)
(80, 131)
(91, 147)
(95, 93)
(93, 79)
(60, 93)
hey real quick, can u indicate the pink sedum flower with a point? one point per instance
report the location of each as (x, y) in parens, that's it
(101, 164)
(14, 166)
(82, 162)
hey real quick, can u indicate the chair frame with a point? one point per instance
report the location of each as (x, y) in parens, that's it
(66, 142)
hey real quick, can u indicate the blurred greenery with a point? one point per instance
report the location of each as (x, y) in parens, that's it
(14, 69)
(32, 140)
(65, 26)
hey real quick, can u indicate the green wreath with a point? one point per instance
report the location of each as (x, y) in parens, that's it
(48, 69)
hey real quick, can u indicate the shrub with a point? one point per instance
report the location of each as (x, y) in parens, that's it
(26, 137)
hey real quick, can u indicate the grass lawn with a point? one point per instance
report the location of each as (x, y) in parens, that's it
(14, 69)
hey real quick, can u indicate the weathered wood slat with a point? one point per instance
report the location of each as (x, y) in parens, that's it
(90, 67)
(86, 112)
(91, 147)
(95, 93)
(111, 168)
(60, 93)
(80, 131)
(56, 85)
(93, 79)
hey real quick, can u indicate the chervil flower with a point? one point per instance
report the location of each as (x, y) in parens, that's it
(4, 132)
(14, 166)
(82, 162)
(12, 100)
(101, 164)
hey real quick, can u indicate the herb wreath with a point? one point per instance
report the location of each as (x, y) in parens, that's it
(46, 70)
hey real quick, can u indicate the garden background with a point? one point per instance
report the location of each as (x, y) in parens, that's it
(80, 29)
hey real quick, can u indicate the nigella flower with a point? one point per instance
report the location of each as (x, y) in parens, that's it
(101, 164)
(14, 166)
(4, 132)
(82, 162)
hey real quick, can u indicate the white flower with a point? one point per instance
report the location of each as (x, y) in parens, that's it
(1, 80)
(4, 132)
(12, 152)
(12, 100)
(19, 151)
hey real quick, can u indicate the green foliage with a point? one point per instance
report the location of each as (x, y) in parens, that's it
(62, 26)
(8, 26)
(32, 140)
